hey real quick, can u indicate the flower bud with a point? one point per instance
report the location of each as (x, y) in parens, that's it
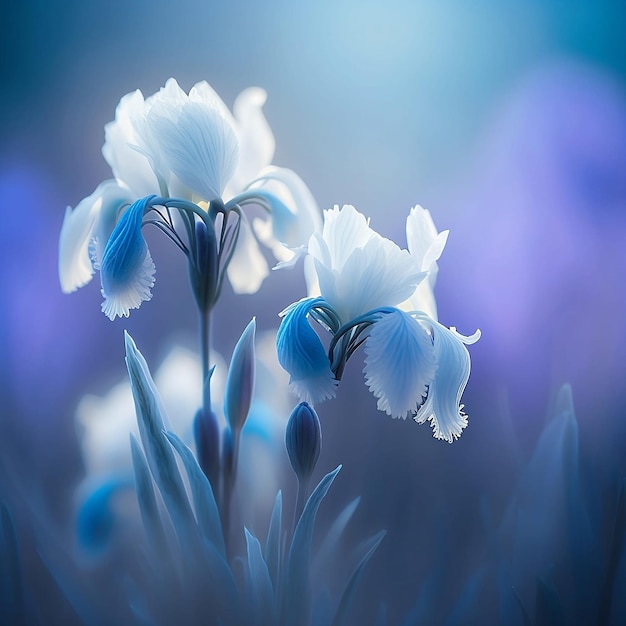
(207, 438)
(303, 439)
(203, 266)
(240, 381)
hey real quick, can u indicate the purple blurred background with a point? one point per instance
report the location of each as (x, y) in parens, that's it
(507, 122)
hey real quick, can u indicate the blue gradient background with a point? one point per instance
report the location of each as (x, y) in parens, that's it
(506, 120)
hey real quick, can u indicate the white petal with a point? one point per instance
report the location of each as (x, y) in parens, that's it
(443, 406)
(359, 270)
(344, 230)
(289, 232)
(399, 364)
(125, 149)
(89, 219)
(199, 145)
(377, 275)
(423, 241)
(203, 93)
(425, 246)
(248, 268)
(256, 141)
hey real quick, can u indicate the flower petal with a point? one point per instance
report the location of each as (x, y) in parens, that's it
(359, 270)
(125, 148)
(256, 140)
(89, 219)
(301, 354)
(425, 246)
(198, 144)
(424, 242)
(443, 406)
(248, 268)
(127, 271)
(289, 230)
(399, 364)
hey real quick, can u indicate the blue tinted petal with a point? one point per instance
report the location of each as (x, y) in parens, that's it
(127, 270)
(443, 406)
(301, 354)
(400, 363)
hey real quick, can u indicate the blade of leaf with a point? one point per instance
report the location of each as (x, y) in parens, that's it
(329, 544)
(297, 598)
(260, 582)
(345, 603)
(207, 512)
(272, 543)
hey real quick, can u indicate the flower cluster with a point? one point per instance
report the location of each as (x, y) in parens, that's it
(376, 294)
(186, 156)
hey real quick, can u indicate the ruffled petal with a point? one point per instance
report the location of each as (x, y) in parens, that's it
(127, 271)
(88, 220)
(256, 140)
(399, 363)
(248, 268)
(301, 354)
(198, 144)
(443, 406)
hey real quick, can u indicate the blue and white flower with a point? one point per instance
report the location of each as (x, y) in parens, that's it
(188, 146)
(413, 364)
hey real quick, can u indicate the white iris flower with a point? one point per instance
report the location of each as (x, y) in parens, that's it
(188, 146)
(413, 364)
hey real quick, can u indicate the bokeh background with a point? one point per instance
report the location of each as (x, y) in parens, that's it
(506, 120)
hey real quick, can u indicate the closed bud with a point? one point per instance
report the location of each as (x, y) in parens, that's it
(207, 438)
(240, 381)
(203, 266)
(303, 439)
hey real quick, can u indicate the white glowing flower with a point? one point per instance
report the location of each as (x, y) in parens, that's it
(413, 365)
(188, 146)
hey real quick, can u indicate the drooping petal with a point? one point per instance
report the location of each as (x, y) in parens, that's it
(127, 270)
(301, 354)
(89, 219)
(198, 144)
(399, 363)
(256, 140)
(248, 268)
(443, 406)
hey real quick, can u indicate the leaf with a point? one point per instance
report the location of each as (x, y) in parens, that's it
(262, 592)
(328, 548)
(348, 593)
(158, 451)
(147, 501)
(272, 543)
(297, 598)
(207, 513)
